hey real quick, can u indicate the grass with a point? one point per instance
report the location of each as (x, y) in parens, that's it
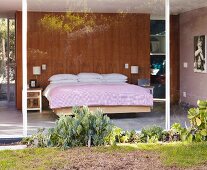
(178, 154)
(184, 155)
(173, 154)
(36, 158)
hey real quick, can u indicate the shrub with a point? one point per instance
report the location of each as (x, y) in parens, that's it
(198, 120)
(86, 128)
(198, 130)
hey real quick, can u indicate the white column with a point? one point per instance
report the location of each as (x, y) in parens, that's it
(24, 65)
(167, 92)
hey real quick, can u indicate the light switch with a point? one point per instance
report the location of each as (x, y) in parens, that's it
(126, 66)
(44, 67)
(185, 65)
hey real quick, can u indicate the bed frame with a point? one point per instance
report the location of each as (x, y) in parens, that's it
(107, 109)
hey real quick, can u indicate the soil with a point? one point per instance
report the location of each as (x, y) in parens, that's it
(90, 159)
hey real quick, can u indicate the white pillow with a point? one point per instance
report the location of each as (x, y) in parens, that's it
(63, 77)
(115, 81)
(114, 76)
(89, 76)
(82, 80)
(63, 81)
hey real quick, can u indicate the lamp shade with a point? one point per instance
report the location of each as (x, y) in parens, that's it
(134, 69)
(36, 70)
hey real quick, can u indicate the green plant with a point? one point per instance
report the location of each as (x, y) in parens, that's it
(117, 135)
(86, 128)
(114, 136)
(198, 119)
(177, 133)
(151, 134)
(133, 137)
(37, 140)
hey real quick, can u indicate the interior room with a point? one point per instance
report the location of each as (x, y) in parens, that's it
(103, 37)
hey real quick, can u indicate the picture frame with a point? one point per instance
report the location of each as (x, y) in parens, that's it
(33, 83)
(200, 60)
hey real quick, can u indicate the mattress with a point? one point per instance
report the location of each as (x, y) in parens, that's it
(69, 95)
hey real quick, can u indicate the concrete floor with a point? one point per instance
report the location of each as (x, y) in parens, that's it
(156, 117)
(11, 119)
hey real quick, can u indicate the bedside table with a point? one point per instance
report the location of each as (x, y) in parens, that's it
(34, 99)
(151, 88)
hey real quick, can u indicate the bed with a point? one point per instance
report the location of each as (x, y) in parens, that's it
(110, 97)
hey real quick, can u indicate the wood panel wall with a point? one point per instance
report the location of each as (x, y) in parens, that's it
(175, 58)
(19, 60)
(102, 51)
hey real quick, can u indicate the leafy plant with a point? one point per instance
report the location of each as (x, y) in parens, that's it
(86, 128)
(151, 134)
(37, 140)
(177, 133)
(114, 136)
(198, 120)
(133, 137)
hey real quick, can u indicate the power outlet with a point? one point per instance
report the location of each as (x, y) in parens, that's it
(185, 65)
(184, 94)
(126, 66)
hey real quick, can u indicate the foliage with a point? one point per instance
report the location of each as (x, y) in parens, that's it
(74, 22)
(36, 140)
(67, 23)
(86, 128)
(117, 135)
(198, 120)
(134, 137)
(4, 48)
(151, 134)
(178, 133)
(114, 136)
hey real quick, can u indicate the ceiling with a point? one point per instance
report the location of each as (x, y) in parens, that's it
(154, 7)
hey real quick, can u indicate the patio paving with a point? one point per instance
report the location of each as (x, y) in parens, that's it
(11, 119)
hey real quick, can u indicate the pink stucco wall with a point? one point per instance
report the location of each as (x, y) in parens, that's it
(192, 23)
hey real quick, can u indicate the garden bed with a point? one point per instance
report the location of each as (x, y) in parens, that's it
(172, 156)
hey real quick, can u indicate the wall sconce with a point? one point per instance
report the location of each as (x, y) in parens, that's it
(134, 71)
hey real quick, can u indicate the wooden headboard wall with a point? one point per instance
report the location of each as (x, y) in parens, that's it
(104, 50)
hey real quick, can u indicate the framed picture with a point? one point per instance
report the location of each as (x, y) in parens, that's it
(33, 83)
(200, 62)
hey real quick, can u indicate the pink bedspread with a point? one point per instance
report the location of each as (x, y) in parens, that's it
(67, 95)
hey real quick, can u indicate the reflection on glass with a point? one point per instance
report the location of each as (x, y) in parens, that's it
(7, 59)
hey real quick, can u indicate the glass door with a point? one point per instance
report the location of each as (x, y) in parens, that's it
(7, 61)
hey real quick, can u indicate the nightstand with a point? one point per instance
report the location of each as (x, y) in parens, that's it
(34, 99)
(151, 88)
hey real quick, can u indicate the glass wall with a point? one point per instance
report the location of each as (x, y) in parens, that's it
(11, 119)
(7, 60)
(107, 37)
